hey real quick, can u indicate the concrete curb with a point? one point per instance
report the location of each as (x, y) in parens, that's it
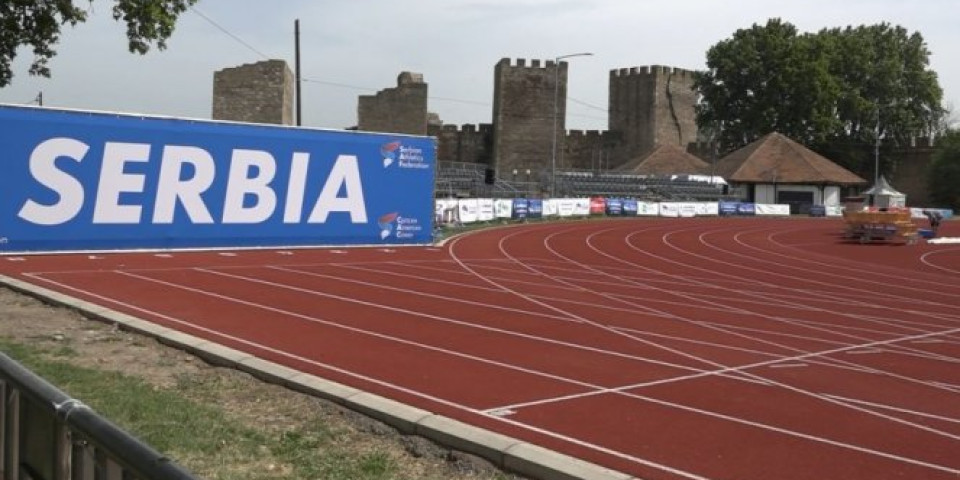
(507, 453)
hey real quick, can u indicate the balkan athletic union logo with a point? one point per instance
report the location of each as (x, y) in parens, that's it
(386, 223)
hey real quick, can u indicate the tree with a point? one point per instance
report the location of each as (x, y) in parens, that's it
(764, 79)
(36, 24)
(828, 90)
(944, 173)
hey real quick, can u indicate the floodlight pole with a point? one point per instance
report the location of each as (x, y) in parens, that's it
(296, 40)
(556, 101)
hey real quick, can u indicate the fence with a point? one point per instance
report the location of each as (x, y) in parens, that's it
(46, 435)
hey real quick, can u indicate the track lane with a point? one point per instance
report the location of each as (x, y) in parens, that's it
(709, 423)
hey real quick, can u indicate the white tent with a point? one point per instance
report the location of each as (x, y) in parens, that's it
(884, 196)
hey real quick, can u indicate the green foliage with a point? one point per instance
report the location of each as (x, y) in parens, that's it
(36, 24)
(200, 434)
(835, 90)
(944, 173)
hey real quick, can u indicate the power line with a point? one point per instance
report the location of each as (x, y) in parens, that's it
(35, 100)
(228, 33)
(339, 85)
(239, 40)
(585, 104)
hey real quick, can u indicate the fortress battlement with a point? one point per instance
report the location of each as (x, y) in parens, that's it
(407, 78)
(264, 65)
(649, 70)
(522, 63)
(466, 128)
(578, 134)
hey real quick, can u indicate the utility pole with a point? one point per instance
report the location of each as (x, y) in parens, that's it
(299, 89)
(556, 101)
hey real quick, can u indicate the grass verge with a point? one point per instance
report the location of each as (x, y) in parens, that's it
(222, 424)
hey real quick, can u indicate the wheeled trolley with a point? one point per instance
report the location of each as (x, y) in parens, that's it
(881, 226)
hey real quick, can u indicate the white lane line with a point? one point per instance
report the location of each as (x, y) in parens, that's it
(424, 315)
(739, 369)
(925, 256)
(631, 395)
(949, 386)
(447, 298)
(383, 383)
(789, 365)
(866, 351)
(888, 455)
(530, 427)
(634, 310)
(842, 365)
(722, 368)
(896, 409)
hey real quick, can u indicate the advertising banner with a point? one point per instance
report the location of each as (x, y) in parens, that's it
(469, 210)
(95, 181)
(520, 208)
(581, 207)
(688, 210)
(502, 208)
(705, 209)
(535, 208)
(834, 210)
(446, 211)
(747, 209)
(729, 208)
(484, 209)
(772, 209)
(565, 207)
(598, 206)
(614, 206)
(669, 209)
(550, 207)
(648, 209)
(629, 207)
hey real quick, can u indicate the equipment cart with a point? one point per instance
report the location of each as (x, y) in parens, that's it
(881, 226)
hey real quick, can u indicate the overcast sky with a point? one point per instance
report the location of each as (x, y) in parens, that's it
(355, 47)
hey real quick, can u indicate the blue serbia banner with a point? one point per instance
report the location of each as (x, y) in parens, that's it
(95, 181)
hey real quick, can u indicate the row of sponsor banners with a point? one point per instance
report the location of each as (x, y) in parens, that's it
(471, 210)
(916, 213)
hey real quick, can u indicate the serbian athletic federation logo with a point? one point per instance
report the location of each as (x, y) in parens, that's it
(386, 224)
(403, 156)
(389, 152)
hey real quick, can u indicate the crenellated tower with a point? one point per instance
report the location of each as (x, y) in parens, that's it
(651, 106)
(259, 92)
(524, 98)
(402, 109)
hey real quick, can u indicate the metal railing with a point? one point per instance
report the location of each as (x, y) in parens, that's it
(47, 435)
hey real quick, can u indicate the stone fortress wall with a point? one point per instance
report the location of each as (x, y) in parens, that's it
(397, 110)
(648, 106)
(259, 92)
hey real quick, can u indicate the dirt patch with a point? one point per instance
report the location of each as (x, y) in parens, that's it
(245, 399)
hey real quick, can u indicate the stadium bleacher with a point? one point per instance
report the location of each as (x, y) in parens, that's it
(465, 180)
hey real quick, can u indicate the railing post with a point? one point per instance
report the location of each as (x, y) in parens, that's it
(11, 434)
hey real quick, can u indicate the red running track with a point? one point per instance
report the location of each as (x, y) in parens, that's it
(742, 349)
